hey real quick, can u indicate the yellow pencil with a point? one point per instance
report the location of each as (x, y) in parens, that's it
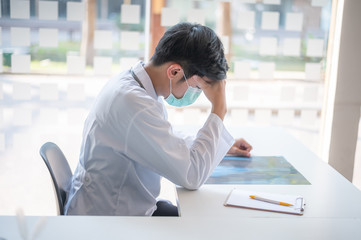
(270, 201)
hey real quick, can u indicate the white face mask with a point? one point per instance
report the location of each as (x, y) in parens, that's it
(190, 96)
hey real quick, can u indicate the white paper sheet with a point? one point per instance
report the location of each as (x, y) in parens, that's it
(247, 1)
(103, 39)
(75, 11)
(75, 64)
(76, 116)
(1, 61)
(103, 65)
(240, 93)
(315, 47)
(130, 14)
(288, 94)
(20, 140)
(275, 2)
(20, 63)
(48, 37)
(246, 20)
(129, 40)
(313, 71)
(127, 62)
(22, 117)
(196, 16)
(225, 42)
(310, 94)
(48, 10)
(1, 116)
(294, 21)
(49, 116)
(76, 92)
(242, 70)
(270, 20)
(239, 116)
(263, 116)
(19, 9)
(21, 91)
(20, 37)
(2, 142)
(49, 92)
(268, 46)
(319, 3)
(308, 117)
(292, 47)
(286, 116)
(266, 70)
(240, 198)
(170, 17)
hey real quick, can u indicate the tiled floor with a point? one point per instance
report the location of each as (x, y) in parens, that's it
(38, 108)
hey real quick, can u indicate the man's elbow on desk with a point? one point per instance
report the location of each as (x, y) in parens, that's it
(193, 175)
(192, 188)
(193, 185)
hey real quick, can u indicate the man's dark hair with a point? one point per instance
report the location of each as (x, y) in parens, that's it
(196, 48)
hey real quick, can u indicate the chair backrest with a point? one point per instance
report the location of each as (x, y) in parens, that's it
(59, 170)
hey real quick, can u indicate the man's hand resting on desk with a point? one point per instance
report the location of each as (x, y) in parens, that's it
(240, 148)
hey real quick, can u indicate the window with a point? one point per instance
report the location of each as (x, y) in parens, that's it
(56, 56)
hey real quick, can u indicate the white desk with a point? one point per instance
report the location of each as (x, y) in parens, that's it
(333, 208)
(330, 195)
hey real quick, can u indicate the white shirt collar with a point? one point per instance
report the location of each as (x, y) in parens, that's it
(144, 78)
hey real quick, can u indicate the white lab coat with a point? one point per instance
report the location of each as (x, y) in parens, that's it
(128, 145)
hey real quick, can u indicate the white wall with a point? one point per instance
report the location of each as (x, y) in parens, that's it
(344, 96)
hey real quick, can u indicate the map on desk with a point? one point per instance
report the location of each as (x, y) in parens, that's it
(256, 170)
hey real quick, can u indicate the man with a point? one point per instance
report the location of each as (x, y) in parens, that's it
(128, 144)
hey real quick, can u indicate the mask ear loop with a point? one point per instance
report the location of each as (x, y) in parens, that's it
(170, 87)
(170, 83)
(185, 77)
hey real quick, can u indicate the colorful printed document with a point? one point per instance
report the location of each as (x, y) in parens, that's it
(256, 170)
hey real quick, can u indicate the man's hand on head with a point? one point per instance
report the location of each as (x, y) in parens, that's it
(215, 91)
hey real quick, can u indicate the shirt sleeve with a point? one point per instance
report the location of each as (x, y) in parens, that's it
(151, 142)
(187, 138)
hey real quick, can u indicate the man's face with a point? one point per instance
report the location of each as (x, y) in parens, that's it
(181, 86)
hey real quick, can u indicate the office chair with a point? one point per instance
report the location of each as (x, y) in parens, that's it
(59, 170)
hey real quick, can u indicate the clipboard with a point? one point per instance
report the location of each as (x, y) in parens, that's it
(240, 198)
